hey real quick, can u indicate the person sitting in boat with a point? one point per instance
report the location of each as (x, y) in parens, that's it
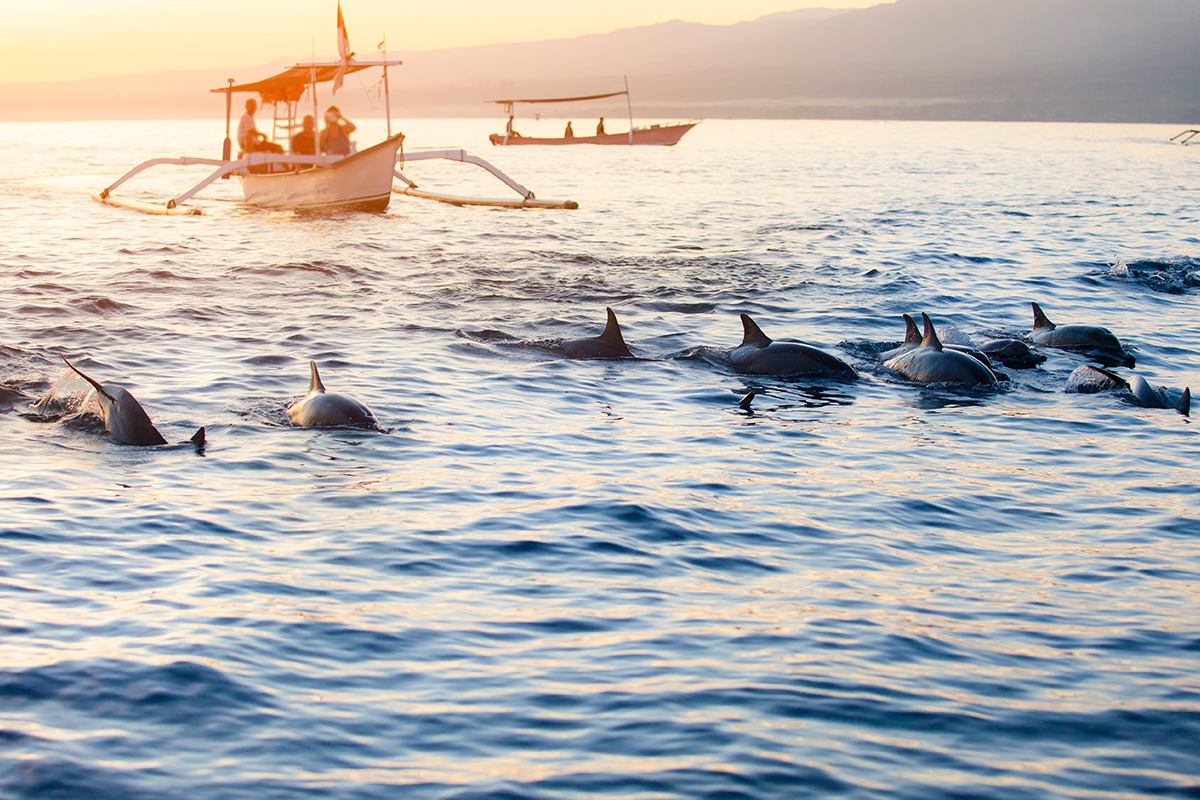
(600, 127)
(304, 143)
(249, 139)
(569, 133)
(335, 136)
(508, 130)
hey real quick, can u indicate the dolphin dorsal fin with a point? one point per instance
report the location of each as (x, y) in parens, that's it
(752, 334)
(1039, 318)
(95, 385)
(612, 331)
(931, 338)
(316, 385)
(1184, 406)
(911, 334)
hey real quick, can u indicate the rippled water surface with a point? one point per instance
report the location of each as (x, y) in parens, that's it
(549, 578)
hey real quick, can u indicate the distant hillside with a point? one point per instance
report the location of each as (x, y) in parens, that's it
(1080, 60)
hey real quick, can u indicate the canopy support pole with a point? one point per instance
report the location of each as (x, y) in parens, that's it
(629, 104)
(227, 150)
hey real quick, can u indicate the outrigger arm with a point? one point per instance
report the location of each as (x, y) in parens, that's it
(175, 206)
(528, 200)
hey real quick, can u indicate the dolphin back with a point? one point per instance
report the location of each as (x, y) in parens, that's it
(932, 363)
(322, 409)
(1087, 338)
(330, 410)
(127, 422)
(610, 344)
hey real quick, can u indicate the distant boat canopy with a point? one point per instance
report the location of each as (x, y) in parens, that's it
(561, 99)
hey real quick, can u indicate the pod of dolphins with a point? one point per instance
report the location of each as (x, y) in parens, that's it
(922, 358)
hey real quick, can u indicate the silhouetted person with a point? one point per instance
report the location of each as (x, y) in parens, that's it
(569, 133)
(335, 136)
(304, 143)
(600, 127)
(249, 139)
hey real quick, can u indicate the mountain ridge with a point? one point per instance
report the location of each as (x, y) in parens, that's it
(1054, 60)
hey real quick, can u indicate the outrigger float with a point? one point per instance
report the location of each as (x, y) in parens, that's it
(361, 180)
(661, 135)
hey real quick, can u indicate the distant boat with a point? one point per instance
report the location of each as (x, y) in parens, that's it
(661, 135)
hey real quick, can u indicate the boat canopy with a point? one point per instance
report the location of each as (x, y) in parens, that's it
(560, 99)
(290, 85)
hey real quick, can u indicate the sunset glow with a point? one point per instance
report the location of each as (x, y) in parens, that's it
(75, 40)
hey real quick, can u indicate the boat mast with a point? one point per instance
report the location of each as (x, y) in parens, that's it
(629, 103)
(316, 118)
(387, 93)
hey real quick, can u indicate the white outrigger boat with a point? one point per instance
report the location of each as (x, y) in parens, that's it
(361, 180)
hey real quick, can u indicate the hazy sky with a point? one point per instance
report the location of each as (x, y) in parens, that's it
(58, 40)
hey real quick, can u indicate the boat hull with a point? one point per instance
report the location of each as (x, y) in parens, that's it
(362, 181)
(661, 135)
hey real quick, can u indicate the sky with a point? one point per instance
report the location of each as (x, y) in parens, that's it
(67, 40)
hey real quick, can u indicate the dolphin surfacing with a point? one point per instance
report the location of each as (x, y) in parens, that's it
(1012, 353)
(759, 355)
(322, 409)
(124, 418)
(1149, 397)
(933, 363)
(610, 344)
(1090, 339)
(913, 338)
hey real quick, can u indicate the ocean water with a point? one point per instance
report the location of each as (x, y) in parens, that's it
(548, 578)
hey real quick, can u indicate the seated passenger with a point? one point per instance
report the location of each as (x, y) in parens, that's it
(304, 143)
(249, 139)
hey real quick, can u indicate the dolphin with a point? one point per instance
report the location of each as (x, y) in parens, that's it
(912, 340)
(1012, 353)
(1149, 397)
(933, 363)
(609, 344)
(1090, 339)
(124, 418)
(758, 355)
(321, 409)
(1091, 379)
